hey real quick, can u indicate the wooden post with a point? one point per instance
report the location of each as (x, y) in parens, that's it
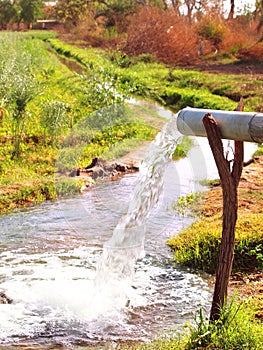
(230, 177)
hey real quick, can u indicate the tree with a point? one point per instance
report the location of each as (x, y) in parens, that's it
(29, 10)
(176, 6)
(71, 11)
(7, 13)
(259, 13)
(116, 12)
(232, 9)
(195, 7)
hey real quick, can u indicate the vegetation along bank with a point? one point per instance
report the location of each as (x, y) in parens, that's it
(49, 86)
(42, 100)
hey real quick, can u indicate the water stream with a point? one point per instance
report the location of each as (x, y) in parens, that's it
(95, 269)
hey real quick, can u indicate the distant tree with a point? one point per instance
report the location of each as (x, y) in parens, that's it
(7, 13)
(29, 10)
(232, 9)
(116, 12)
(176, 5)
(195, 9)
(71, 11)
(48, 11)
(259, 13)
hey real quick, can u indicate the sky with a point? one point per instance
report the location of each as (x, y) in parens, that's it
(240, 4)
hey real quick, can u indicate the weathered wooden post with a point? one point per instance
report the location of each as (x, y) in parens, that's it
(240, 127)
(229, 181)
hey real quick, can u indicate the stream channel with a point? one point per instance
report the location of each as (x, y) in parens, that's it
(49, 252)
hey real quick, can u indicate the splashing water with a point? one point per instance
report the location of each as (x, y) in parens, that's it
(60, 297)
(115, 269)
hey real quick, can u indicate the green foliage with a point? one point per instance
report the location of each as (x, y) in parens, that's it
(211, 31)
(180, 98)
(29, 10)
(189, 204)
(101, 89)
(27, 195)
(18, 86)
(198, 246)
(40, 35)
(236, 329)
(26, 11)
(71, 11)
(55, 118)
(7, 12)
(259, 151)
(65, 187)
(91, 58)
(109, 137)
(102, 134)
(183, 148)
(123, 60)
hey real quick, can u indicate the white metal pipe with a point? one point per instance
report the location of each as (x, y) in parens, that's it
(240, 126)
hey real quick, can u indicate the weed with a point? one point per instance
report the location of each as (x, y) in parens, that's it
(234, 330)
(189, 204)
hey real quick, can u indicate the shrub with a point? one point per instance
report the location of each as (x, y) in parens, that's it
(211, 31)
(253, 53)
(55, 118)
(163, 34)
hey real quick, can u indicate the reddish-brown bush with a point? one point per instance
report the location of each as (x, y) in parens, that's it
(168, 37)
(90, 32)
(223, 35)
(254, 53)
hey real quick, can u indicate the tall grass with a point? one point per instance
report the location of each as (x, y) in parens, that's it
(236, 329)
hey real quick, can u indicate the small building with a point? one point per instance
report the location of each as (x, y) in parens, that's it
(46, 24)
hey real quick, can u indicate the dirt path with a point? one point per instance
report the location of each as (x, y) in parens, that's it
(231, 68)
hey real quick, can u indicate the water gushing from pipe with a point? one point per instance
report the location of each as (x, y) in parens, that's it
(116, 266)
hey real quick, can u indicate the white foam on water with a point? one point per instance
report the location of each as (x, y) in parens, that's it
(127, 242)
(92, 288)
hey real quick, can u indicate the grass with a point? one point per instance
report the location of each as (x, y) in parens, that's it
(30, 178)
(82, 94)
(198, 246)
(176, 88)
(236, 329)
(63, 99)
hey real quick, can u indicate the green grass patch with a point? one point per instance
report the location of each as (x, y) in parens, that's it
(90, 58)
(190, 204)
(236, 329)
(198, 246)
(57, 99)
(126, 128)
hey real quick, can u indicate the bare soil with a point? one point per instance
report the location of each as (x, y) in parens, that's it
(249, 68)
